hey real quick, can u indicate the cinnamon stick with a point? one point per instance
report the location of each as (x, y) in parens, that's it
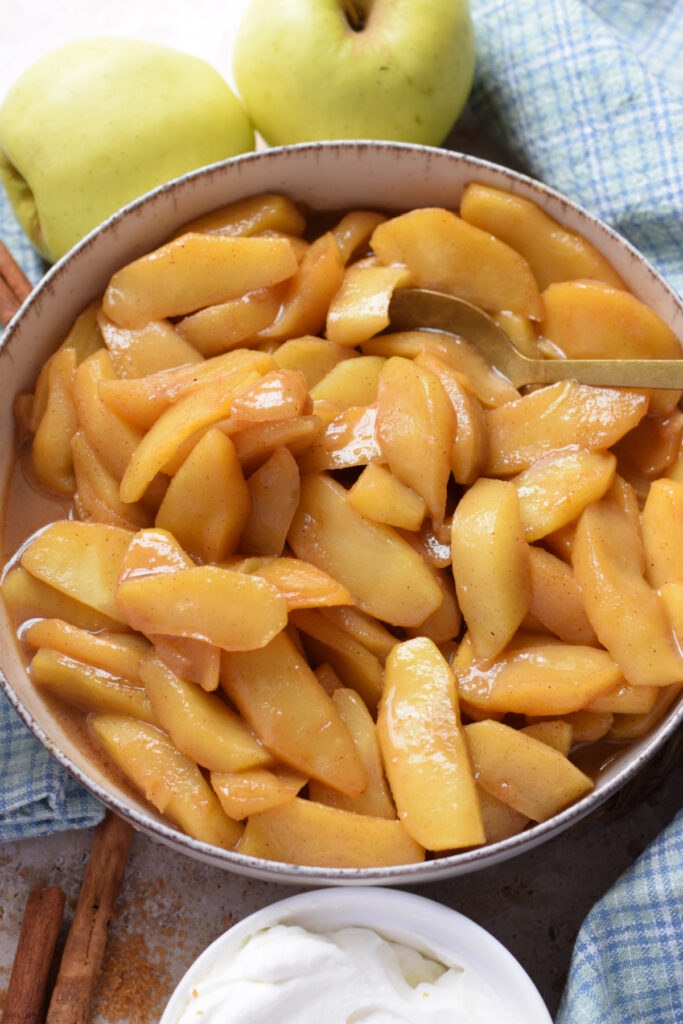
(27, 993)
(14, 285)
(86, 941)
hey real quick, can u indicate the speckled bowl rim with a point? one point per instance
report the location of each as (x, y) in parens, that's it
(640, 275)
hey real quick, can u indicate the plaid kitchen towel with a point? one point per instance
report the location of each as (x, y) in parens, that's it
(627, 966)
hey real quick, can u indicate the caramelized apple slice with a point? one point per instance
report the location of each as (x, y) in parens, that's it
(360, 308)
(540, 679)
(168, 779)
(415, 430)
(490, 560)
(553, 252)
(217, 329)
(274, 492)
(194, 271)
(525, 773)
(375, 799)
(200, 724)
(150, 349)
(424, 749)
(309, 292)
(82, 560)
(588, 319)
(291, 713)
(559, 416)
(228, 609)
(207, 503)
(626, 613)
(556, 488)
(305, 832)
(255, 790)
(444, 252)
(384, 575)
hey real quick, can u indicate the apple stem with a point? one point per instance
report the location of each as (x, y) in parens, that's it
(353, 16)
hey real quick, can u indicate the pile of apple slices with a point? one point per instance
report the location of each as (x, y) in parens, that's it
(342, 597)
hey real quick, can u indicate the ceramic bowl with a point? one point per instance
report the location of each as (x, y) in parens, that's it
(403, 917)
(325, 176)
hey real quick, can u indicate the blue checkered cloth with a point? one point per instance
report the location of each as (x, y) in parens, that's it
(627, 966)
(586, 95)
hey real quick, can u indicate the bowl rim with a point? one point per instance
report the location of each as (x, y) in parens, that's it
(316, 876)
(410, 918)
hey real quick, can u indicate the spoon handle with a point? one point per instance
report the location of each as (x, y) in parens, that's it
(617, 373)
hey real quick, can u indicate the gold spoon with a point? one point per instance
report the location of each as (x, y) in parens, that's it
(414, 308)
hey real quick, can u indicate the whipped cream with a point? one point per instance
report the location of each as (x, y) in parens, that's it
(351, 976)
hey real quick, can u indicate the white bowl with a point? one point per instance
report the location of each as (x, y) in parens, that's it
(324, 176)
(399, 916)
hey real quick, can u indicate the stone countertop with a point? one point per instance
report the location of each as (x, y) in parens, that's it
(170, 907)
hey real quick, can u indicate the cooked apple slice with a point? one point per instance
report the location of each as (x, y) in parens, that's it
(378, 495)
(315, 357)
(112, 439)
(349, 439)
(88, 687)
(559, 416)
(363, 628)
(117, 653)
(328, 642)
(624, 699)
(662, 525)
(194, 271)
(500, 820)
(82, 560)
(207, 503)
(627, 614)
(229, 609)
(589, 319)
(194, 412)
(556, 488)
(469, 451)
(490, 560)
(268, 211)
(142, 400)
(553, 252)
(556, 732)
(51, 449)
(350, 382)
(375, 799)
(200, 724)
(487, 384)
(360, 308)
(556, 600)
(150, 349)
(168, 779)
(538, 679)
(97, 491)
(384, 575)
(444, 252)
(415, 429)
(302, 585)
(354, 230)
(280, 697)
(309, 292)
(305, 832)
(521, 771)
(26, 596)
(216, 329)
(255, 790)
(424, 749)
(274, 492)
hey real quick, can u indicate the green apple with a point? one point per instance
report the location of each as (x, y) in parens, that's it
(98, 122)
(355, 69)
